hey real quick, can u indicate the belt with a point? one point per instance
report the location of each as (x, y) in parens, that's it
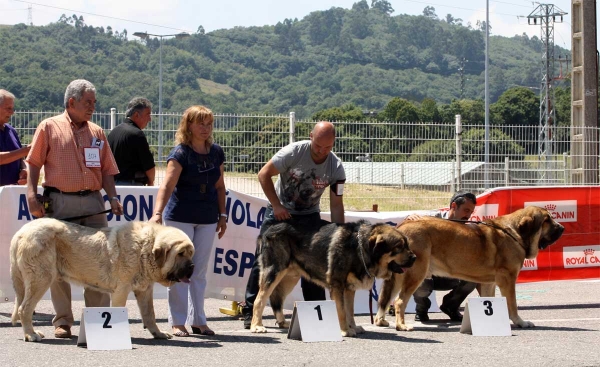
(74, 193)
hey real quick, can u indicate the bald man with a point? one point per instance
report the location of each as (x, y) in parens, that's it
(305, 170)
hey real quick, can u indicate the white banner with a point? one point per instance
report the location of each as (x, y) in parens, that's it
(232, 255)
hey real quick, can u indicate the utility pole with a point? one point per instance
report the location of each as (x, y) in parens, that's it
(461, 71)
(30, 15)
(545, 15)
(584, 94)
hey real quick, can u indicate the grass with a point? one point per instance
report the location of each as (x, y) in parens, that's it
(212, 88)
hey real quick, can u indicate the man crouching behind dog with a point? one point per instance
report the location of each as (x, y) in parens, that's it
(305, 170)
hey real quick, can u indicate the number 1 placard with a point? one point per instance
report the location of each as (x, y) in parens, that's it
(486, 316)
(104, 328)
(315, 321)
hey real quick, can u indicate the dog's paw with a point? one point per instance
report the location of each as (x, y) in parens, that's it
(381, 322)
(162, 335)
(524, 324)
(359, 329)
(258, 329)
(349, 333)
(403, 327)
(283, 325)
(35, 337)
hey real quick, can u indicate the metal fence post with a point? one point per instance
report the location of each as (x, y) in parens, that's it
(292, 127)
(458, 138)
(506, 171)
(113, 118)
(566, 167)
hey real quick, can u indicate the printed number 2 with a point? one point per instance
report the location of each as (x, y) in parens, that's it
(318, 308)
(488, 311)
(107, 316)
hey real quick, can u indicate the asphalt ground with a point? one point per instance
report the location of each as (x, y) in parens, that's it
(567, 333)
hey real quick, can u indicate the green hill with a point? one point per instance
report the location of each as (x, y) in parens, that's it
(361, 56)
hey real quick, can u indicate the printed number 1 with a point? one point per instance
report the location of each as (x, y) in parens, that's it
(488, 311)
(107, 316)
(318, 308)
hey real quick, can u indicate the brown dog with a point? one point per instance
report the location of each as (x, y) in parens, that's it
(339, 257)
(489, 253)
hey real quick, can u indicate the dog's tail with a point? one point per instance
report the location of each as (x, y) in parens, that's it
(18, 284)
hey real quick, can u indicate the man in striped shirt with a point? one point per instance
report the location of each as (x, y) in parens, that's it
(77, 163)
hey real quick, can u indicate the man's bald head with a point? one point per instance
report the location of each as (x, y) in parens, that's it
(323, 129)
(322, 139)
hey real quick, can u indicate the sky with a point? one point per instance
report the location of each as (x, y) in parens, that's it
(507, 17)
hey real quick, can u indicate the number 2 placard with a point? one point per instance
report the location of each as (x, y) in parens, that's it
(315, 321)
(104, 328)
(486, 316)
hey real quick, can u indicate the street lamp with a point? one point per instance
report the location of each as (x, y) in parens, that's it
(146, 35)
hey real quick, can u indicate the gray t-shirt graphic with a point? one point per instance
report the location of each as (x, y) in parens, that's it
(301, 181)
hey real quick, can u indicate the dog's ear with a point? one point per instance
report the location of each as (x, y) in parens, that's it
(529, 225)
(377, 245)
(160, 254)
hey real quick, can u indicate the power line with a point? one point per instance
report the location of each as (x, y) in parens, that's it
(103, 16)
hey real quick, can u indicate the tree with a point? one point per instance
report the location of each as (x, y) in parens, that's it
(383, 6)
(429, 12)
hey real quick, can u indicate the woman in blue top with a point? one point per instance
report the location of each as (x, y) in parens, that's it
(192, 198)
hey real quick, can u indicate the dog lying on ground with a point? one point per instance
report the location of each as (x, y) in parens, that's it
(339, 257)
(489, 253)
(117, 260)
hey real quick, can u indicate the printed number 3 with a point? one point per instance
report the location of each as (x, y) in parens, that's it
(107, 316)
(488, 311)
(318, 308)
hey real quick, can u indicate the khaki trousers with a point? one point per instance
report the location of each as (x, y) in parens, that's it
(65, 206)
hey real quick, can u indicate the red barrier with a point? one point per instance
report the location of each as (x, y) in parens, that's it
(576, 255)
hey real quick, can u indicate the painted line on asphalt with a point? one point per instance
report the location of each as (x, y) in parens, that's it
(566, 320)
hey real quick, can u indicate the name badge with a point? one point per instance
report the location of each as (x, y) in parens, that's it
(92, 157)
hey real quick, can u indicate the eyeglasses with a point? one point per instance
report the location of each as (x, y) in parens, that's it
(205, 166)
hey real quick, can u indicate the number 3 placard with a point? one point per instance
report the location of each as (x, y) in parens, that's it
(104, 328)
(486, 316)
(315, 321)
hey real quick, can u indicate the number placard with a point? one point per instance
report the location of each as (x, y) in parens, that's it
(315, 321)
(486, 316)
(104, 328)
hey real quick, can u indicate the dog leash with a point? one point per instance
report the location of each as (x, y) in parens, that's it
(91, 215)
(489, 225)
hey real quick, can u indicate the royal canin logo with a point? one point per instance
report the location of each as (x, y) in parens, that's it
(560, 210)
(581, 256)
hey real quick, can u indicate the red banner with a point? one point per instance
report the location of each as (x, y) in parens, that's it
(576, 255)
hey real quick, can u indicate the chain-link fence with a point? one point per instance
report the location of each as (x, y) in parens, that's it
(397, 166)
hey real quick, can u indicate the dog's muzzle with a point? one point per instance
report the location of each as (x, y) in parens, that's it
(399, 268)
(182, 274)
(556, 233)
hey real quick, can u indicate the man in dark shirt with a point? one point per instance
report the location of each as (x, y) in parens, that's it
(12, 167)
(130, 147)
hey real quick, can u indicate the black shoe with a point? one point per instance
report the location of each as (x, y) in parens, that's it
(422, 317)
(454, 315)
(247, 315)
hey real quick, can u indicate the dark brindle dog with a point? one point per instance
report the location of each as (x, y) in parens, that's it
(339, 257)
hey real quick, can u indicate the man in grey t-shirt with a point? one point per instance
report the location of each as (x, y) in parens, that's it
(305, 170)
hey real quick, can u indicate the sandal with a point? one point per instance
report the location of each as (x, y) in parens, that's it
(181, 333)
(207, 331)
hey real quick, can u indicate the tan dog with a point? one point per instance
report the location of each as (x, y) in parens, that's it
(488, 254)
(117, 260)
(338, 257)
